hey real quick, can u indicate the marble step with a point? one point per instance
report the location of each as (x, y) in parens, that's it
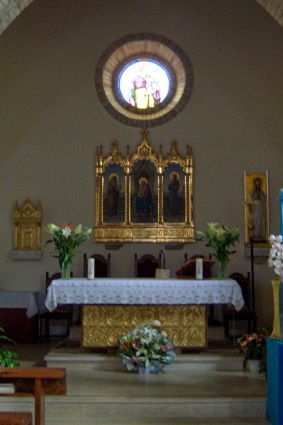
(197, 386)
(76, 409)
(228, 360)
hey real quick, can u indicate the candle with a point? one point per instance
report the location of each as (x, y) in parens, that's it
(90, 268)
(199, 268)
(281, 211)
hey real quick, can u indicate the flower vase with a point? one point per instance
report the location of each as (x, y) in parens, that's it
(254, 365)
(222, 270)
(276, 333)
(66, 273)
(151, 368)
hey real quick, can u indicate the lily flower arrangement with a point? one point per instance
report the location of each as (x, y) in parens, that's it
(146, 345)
(221, 238)
(66, 241)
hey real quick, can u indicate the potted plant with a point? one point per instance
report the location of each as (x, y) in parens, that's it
(146, 348)
(66, 241)
(7, 357)
(253, 346)
(221, 238)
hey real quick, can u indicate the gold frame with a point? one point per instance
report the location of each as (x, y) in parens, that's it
(27, 222)
(124, 219)
(256, 210)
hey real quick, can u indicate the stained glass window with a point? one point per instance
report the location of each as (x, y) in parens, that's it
(144, 80)
(144, 84)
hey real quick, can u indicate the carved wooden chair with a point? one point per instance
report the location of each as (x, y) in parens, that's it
(146, 265)
(61, 312)
(246, 314)
(188, 270)
(102, 267)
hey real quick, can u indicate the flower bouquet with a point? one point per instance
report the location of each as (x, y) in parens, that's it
(66, 241)
(220, 238)
(253, 346)
(275, 258)
(146, 348)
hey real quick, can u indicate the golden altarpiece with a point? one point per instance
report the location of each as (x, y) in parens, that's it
(144, 197)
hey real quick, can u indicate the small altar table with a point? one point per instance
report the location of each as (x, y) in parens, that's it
(18, 315)
(111, 307)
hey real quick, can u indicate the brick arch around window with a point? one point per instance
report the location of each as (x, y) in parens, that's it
(144, 46)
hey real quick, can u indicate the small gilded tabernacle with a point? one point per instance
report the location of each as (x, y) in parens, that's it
(27, 222)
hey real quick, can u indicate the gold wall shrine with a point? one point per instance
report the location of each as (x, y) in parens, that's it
(27, 223)
(144, 196)
(104, 325)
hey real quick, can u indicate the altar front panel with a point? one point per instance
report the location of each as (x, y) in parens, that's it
(104, 325)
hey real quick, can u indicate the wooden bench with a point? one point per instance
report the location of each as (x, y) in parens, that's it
(35, 382)
(15, 418)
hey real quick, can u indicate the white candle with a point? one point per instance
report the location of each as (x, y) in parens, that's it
(199, 269)
(90, 268)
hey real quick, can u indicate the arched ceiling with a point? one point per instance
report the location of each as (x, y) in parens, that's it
(10, 9)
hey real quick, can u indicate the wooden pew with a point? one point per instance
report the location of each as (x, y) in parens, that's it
(35, 382)
(15, 418)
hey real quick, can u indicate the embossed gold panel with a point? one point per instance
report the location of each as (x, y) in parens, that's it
(103, 325)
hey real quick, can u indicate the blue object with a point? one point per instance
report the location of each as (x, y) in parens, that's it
(274, 411)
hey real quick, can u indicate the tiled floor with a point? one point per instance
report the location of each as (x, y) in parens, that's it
(205, 388)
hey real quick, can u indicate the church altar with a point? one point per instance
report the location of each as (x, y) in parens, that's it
(111, 307)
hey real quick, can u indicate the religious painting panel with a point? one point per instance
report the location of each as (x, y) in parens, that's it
(144, 200)
(256, 209)
(114, 194)
(174, 194)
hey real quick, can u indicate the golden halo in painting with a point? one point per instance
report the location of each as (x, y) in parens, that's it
(114, 175)
(143, 180)
(174, 173)
(144, 80)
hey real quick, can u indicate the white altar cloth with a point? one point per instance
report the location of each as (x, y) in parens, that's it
(20, 299)
(139, 291)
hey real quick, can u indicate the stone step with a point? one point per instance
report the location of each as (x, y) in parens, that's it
(204, 361)
(196, 387)
(74, 408)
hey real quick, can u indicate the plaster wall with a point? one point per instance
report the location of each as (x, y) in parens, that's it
(52, 120)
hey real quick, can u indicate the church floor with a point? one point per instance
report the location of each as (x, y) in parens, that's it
(200, 388)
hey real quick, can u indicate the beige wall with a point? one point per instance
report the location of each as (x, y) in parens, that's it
(51, 119)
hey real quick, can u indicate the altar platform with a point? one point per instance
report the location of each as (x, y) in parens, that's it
(205, 388)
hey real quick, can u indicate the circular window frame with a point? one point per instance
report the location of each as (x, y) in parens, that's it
(144, 47)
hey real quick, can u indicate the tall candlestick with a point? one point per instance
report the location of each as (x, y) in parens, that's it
(90, 268)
